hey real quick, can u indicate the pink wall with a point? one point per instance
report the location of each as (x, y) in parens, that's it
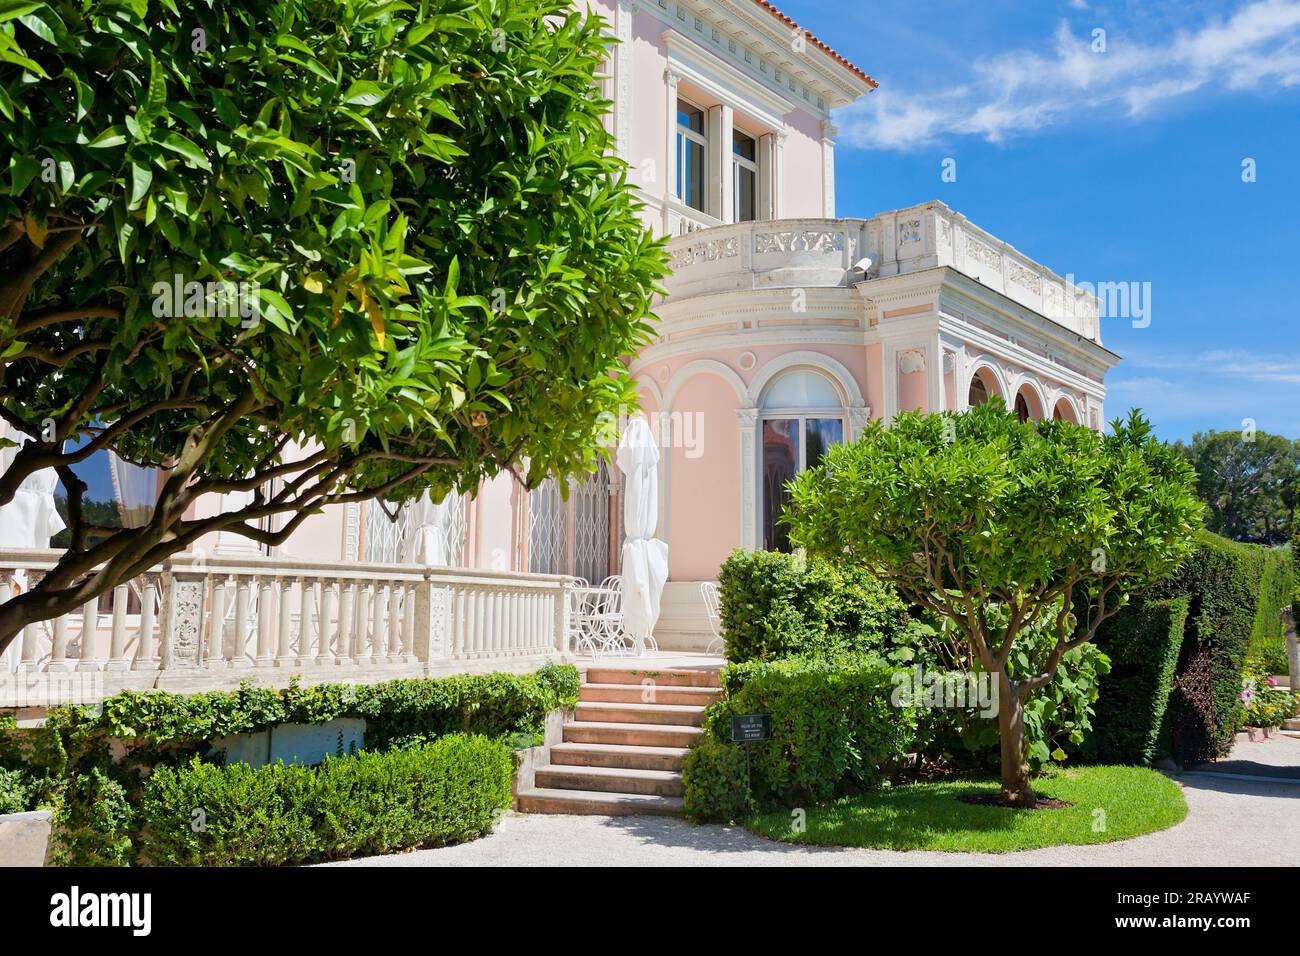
(492, 538)
(704, 482)
(801, 167)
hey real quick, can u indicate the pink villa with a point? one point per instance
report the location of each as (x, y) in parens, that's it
(785, 328)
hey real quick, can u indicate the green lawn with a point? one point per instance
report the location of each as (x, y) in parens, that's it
(1108, 803)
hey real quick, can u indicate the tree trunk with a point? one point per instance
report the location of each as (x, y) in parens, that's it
(1011, 736)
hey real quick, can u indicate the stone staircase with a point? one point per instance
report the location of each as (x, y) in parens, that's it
(623, 752)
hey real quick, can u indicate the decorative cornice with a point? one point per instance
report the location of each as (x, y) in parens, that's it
(742, 35)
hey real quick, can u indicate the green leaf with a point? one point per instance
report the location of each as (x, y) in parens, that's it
(141, 180)
(38, 26)
(113, 136)
(185, 147)
(364, 93)
(156, 97)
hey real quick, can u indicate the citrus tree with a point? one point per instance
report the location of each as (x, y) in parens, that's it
(306, 251)
(1004, 530)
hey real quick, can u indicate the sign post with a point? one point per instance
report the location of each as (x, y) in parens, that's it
(749, 729)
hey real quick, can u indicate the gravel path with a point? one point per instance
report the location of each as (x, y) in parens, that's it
(1232, 822)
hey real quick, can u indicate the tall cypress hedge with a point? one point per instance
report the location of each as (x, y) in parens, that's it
(1142, 643)
(1221, 582)
(1276, 591)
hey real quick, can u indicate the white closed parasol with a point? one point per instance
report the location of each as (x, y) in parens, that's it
(429, 543)
(645, 558)
(30, 519)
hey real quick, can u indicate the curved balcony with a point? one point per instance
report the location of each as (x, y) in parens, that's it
(822, 253)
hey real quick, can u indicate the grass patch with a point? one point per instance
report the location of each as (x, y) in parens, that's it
(1106, 804)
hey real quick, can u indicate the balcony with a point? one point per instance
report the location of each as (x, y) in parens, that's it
(813, 253)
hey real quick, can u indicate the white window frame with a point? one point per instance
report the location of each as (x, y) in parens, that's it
(738, 163)
(801, 415)
(701, 137)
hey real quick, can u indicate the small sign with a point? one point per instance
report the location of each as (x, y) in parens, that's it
(750, 728)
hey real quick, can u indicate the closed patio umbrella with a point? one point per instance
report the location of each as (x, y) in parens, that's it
(429, 542)
(645, 558)
(30, 519)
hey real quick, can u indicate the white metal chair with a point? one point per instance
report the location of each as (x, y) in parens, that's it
(713, 607)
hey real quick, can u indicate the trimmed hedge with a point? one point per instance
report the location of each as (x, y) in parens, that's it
(1142, 644)
(778, 605)
(1221, 582)
(90, 765)
(1276, 590)
(717, 786)
(493, 705)
(834, 729)
(202, 814)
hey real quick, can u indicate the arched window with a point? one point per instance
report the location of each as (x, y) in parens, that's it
(802, 416)
(1064, 411)
(1028, 406)
(983, 386)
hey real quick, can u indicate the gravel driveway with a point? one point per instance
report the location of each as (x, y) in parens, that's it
(1232, 822)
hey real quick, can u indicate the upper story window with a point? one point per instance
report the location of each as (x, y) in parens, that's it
(692, 148)
(744, 176)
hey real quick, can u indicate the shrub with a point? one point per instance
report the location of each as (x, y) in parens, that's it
(94, 820)
(1276, 587)
(15, 791)
(444, 792)
(1263, 703)
(777, 605)
(834, 729)
(1142, 643)
(1221, 582)
(717, 784)
(90, 765)
(493, 705)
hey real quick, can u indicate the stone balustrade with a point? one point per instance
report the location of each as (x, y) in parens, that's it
(822, 253)
(201, 622)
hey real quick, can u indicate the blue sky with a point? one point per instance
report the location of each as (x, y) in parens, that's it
(1122, 165)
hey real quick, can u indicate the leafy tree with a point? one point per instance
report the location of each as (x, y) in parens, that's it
(1247, 479)
(420, 262)
(1004, 530)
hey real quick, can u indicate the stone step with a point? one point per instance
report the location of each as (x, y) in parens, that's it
(673, 677)
(538, 800)
(633, 735)
(1291, 723)
(677, 714)
(617, 755)
(652, 694)
(664, 783)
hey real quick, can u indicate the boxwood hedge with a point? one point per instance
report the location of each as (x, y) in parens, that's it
(202, 814)
(1143, 644)
(777, 605)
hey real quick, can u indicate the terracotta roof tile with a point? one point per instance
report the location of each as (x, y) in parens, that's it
(817, 43)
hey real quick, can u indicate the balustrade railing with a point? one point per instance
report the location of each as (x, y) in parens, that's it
(198, 622)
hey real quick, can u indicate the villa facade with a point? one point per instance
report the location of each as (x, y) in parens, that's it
(785, 328)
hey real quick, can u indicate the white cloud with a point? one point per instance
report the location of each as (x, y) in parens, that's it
(1238, 364)
(1019, 91)
(1221, 389)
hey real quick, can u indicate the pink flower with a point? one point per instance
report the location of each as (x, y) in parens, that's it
(1272, 682)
